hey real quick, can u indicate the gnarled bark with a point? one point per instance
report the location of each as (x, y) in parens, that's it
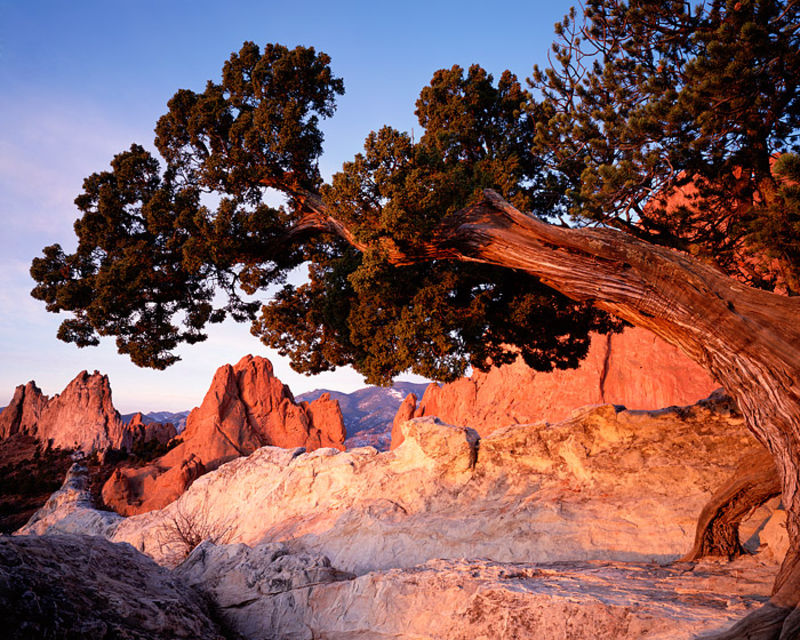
(749, 340)
(753, 483)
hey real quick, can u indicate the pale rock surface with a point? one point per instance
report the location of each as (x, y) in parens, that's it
(86, 587)
(605, 484)
(268, 593)
(260, 592)
(246, 407)
(634, 369)
(465, 600)
(71, 510)
(82, 417)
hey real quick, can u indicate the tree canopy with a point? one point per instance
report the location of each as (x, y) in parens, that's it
(644, 99)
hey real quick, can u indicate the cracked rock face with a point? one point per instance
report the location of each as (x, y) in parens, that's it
(260, 592)
(462, 600)
(269, 593)
(634, 369)
(87, 587)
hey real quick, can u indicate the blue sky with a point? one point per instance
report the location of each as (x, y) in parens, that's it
(82, 80)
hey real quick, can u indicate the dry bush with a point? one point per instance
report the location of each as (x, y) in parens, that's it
(187, 528)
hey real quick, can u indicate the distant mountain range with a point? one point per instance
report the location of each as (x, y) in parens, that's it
(368, 412)
(177, 418)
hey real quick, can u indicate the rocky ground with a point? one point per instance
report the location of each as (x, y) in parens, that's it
(568, 530)
(87, 587)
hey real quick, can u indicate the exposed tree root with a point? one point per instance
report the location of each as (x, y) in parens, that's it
(765, 623)
(779, 618)
(755, 481)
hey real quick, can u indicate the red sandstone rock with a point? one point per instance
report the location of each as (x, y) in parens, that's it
(162, 432)
(634, 369)
(80, 417)
(22, 413)
(406, 411)
(133, 490)
(246, 408)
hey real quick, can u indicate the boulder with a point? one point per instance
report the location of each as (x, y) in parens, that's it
(82, 417)
(72, 510)
(131, 490)
(87, 587)
(404, 413)
(634, 369)
(246, 407)
(260, 592)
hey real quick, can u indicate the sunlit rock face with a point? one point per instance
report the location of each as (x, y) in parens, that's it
(464, 599)
(268, 592)
(22, 413)
(86, 587)
(71, 510)
(517, 534)
(603, 484)
(246, 407)
(161, 432)
(260, 592)
(633, 369)
(82, 417)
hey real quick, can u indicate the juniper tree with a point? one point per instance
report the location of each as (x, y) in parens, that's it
(649, 174)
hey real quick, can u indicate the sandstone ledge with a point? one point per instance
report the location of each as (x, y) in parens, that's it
(267, 593)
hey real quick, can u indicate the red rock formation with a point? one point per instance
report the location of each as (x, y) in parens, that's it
(247, 407)
(22, 413)
(634, 369)
(404, 413)
(162, 432)
(80, 417)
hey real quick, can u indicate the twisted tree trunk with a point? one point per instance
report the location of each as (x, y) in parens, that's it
(753, 483)
(747, 339)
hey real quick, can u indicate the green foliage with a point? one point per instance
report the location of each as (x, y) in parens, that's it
(773, 227)
(647, 96)
(439, 317)
(644, 99)
(151, 256)
(259, 126)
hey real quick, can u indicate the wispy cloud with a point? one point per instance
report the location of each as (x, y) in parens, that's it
(44, 157)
